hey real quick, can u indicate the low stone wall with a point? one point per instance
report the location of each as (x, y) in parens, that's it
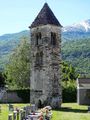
(15, 96)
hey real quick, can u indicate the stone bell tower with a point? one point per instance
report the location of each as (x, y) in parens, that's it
(45, 82)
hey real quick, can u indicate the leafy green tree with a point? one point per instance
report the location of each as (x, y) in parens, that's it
(69, 76)
(68, 72)
(2, 80)
(18, 68)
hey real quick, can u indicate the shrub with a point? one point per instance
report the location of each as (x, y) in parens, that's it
(69, 92)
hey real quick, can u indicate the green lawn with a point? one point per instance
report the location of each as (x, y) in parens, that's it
(69, 111)
(5, 111)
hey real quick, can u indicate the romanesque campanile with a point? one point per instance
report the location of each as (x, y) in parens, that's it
(45, 82)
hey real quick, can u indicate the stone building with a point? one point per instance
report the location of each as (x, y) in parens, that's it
(45, 80)
(83, 91)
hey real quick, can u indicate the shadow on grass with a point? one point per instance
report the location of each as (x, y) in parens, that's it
(69, 109)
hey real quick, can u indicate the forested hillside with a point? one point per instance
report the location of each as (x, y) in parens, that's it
(75, 46)
(8, 43)
(78, 54)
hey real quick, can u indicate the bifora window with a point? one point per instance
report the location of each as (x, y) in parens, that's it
(38, 38)
(53, 38)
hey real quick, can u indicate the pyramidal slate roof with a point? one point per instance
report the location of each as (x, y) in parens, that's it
(45, 17)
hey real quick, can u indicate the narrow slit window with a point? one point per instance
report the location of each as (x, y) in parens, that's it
(41, 58)
(36, 39)
(53, 38)
(37, 59)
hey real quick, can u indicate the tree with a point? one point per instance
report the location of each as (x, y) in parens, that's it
(18, 68)
(68, 72)
(69, 76)
(2, 80)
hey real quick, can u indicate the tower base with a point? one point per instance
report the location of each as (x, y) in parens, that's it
(40, 100)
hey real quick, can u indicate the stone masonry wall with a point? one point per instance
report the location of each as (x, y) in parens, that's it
(46, 77)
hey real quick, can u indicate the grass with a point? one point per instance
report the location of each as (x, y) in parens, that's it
(5, 111)
(69, 111)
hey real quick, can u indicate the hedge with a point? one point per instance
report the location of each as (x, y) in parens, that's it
(24, 94)
(69, 94)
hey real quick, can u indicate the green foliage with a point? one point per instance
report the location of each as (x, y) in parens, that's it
(8, 43)
(24, 94)
(18, 69)
(68, 72)
(77, 52)
(2, 80)
(69, 76)
(69, 91)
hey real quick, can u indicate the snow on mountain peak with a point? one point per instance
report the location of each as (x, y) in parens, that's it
(86, 24)
(83, 26)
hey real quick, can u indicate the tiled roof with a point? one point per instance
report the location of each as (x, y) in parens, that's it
(84, 80)
(45, 17)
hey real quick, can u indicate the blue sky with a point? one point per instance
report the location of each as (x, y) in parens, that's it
(17, 15)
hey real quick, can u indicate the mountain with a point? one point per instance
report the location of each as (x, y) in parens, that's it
(75, 46)
(8, 43)
(77, 31)
(83, 27)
